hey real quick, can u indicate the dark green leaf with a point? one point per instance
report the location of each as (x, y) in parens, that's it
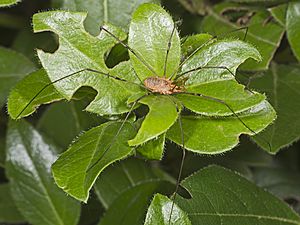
(8, 210)
(162, 115)
(29, 158)
(77, 169)
(279, 13)
(26, 90)
(149, 34)
(293, 28)
(160, 209)
(126, 188)
(210, 135)
(227, 198)
(2, 152)
(281, 84)
(14, 66)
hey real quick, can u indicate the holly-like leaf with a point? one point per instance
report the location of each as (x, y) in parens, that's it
(265, 35)
(293, 28)
(162, 115)
(150, 32)
(228, 198)
(4, 3)
(8, 210)
(104, 11)
(14, 66)
(126, 188)
(20, 102)
(78, 50)
(281, 84)
(76, 169)
(159, 212)
(211, 135)
(28, 160)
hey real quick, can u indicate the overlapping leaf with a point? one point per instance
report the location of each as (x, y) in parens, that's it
(293, 28)
(4, 3)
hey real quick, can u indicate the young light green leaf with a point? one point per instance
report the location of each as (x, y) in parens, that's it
(293, 28)
(266, 36)
(229, 91)
(77, 51)
(281, 84)
(14, 66)
(126, 188)
(162, 115)
(150, 31)
(159, 212)
(22, 94)
(222, 53)
(228, 198)
(154, 148)
(8, 210)
(209, 135)
(29, 157)
(4, 3)
(76, 170)
(104, 11)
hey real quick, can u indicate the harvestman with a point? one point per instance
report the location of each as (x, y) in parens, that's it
(160, 85)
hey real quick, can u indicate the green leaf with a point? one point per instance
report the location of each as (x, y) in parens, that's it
(228, 198)
(8, 210)
(26, 90)
(281, 84)
(126, 188)
(265, 36)
(4, 3)
(74, 55)
(279, 13)
(29, 157)
(14, 66)
(104, 11)
(76, 169)
(149, 34)
(64, 121)
(210, 135)
(159, 212)
(154, 148)
(2, 151)
(229, 92)
(191, 43)
(222, 53)
(162, 115)
(293, 28)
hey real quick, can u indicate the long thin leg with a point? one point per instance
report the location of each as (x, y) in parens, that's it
(181, 164)
(205, 43)
(168, 50)
(68, 76)
(130, 49)
(229, 107)
(117, 134)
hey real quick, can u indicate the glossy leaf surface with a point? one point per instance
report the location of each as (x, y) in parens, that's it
(228, 198)
(159, 212)
(29, 157)
(126, 188)
(149, 34)
(77, 168)
(14, 66)
(293, 28)
(210, 135)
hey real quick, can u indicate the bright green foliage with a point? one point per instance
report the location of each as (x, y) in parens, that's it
(154, 148)
(265, 36)
(216, 187)
(293, 27)
(214, 135)
(149, 33)
(8, 210)
(14, 66)
(162, 115)
(125, 189)
(26, 90)
(29, 158)
(281, 84)
(279, 13)
(8, 2)
(159, 212)
(77, 168)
